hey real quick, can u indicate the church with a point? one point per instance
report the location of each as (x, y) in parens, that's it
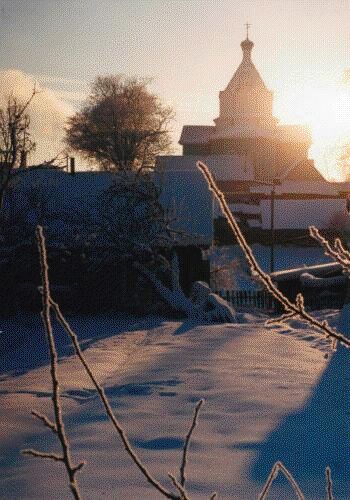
(250, 154)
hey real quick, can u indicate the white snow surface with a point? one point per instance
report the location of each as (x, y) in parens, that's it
(271, 393)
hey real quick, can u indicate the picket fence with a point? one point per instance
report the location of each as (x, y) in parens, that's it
(262, 300)
(249, 299)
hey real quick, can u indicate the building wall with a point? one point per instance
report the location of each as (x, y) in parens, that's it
(301, 213)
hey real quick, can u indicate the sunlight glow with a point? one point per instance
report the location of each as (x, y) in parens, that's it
(326, 110)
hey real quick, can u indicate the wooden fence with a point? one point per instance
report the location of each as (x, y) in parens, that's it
(262, 300)
(249, 299)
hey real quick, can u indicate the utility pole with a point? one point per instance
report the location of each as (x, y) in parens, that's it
(272, 229)
(272, 218)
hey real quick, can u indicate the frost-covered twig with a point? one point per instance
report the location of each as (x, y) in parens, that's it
(280, 319)
(45, 420)
(272, 476)
(297, 308)
(182, 491)
(107, 406)
(187, 442)
(58, 427)
(338, 253)
(329, 484)
(42, 454)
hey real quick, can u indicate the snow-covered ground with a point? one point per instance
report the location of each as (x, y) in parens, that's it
(270, 394)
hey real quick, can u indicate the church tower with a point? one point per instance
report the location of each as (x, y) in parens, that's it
(247, 128)
(246, 99)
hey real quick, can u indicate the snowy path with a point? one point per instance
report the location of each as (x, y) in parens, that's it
(268, 396)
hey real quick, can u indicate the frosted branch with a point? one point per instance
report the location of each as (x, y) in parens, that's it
(340, 248)
(272, 476)
(59, 424)
(281, 319)
(329, 484)
(107, 406)
(298, 307)
(187, 442)
(45, 420)
(42, 454)
(179, 487)
(338, 253)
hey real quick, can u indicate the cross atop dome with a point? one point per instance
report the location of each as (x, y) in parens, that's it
(247, 45)
(247, 26)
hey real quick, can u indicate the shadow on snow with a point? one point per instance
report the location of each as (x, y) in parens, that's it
(316, 436)
(23, 343)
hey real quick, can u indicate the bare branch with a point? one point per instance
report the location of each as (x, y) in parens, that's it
(59, 424)
(256, 270)
(329, 484)
(46, 421)
(79, 467)
(107, 406)
(181, 489)
(42, 454)
(187, 442)
(281, 319)
(339, 254)
(278, 466)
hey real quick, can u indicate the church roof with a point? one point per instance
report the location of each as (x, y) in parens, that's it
(223, 167)
(196, 134)
(300, 133)
(246, 74)
(304, 170)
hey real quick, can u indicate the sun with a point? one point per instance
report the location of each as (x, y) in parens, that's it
(327, 111)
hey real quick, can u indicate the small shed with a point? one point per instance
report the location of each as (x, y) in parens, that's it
(323, 285)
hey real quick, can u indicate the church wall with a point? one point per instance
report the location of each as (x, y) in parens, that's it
(302, 213)
(261, 152)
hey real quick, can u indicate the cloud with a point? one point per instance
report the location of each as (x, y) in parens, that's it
(346, 76)
(71, 90)
(70, 96)
(48, 113)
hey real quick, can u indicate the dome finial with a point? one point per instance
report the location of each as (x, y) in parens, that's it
(247, 26)
(247, 44)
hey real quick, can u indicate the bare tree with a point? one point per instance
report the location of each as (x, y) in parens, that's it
(122, 126)
(15, 139)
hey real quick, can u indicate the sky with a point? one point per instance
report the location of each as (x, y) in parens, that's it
(191, 49)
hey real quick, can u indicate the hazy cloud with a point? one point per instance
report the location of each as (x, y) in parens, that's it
(346, 76)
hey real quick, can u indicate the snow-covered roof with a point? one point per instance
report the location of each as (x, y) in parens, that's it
(311, 281)
(342, 187)
(185, 194)
(196, 134)
(223, 167)
(245, 129)
(318, 270)
(300, 187)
